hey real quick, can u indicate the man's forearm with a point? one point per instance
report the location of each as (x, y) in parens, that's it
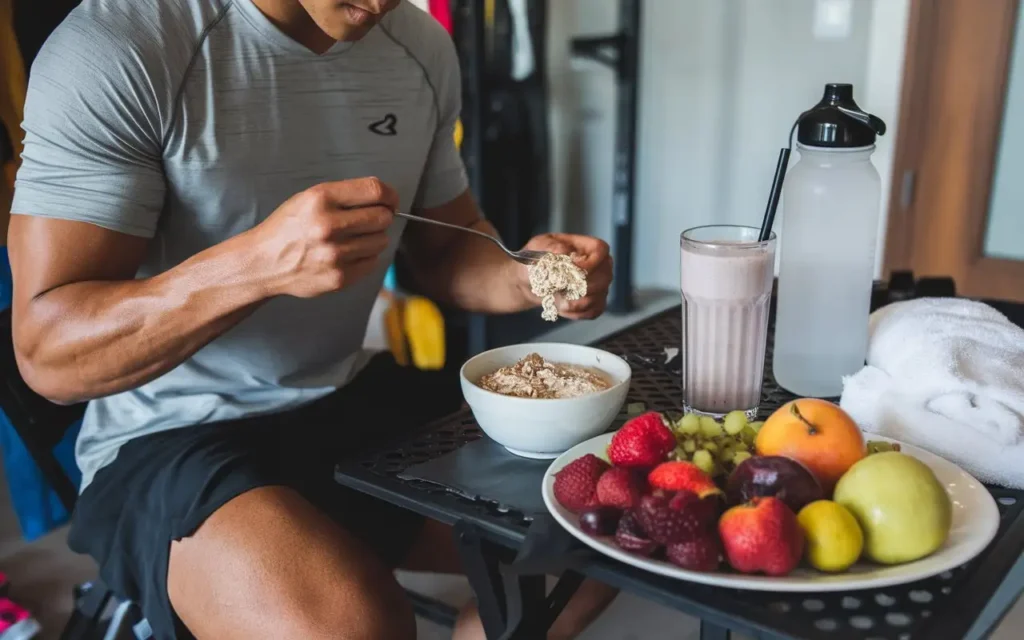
(475, 275)
(91, 339)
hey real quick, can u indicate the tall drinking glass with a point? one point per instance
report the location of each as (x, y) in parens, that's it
(726, 282)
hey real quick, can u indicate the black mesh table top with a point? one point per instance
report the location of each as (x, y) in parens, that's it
(945, 606)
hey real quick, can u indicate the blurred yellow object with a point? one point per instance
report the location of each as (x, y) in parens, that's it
(424, 329)
(458, 133)
(395, 331)
(12, 86)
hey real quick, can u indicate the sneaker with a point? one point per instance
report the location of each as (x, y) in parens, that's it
(16, 623)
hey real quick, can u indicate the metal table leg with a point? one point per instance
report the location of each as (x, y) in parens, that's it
(484, 577)
(709, 631)
(512, 605)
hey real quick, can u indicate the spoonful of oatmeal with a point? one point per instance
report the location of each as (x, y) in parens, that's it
(556, 274)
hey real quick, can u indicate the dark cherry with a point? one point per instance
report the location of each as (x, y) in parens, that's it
(600, 521)
(630, 536)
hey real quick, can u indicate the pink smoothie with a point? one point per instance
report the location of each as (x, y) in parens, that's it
(726, 291)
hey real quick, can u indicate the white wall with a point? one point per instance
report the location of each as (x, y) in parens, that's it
(721, 82)
(1004, 237)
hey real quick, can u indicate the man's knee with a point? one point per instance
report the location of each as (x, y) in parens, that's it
(269, 563)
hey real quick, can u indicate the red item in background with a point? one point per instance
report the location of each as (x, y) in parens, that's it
(16, 623)
(442, 11)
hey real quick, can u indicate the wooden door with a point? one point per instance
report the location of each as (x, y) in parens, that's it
(954, 198)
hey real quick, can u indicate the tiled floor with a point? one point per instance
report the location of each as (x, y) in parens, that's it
(43, 573)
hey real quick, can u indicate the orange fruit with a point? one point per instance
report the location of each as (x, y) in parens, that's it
(815, 433)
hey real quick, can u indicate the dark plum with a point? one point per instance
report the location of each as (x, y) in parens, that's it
(765, 476)
(600, 521)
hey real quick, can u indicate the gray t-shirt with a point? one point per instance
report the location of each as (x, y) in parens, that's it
(190, 121)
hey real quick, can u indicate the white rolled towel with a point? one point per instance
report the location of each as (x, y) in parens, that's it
(947, 375)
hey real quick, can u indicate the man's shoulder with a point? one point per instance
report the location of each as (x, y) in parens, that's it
(126, 38)
(423, 37)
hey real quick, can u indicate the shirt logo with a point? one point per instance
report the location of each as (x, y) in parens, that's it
(385, 126)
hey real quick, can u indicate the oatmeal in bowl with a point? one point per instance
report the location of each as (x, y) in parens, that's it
(540, 399)
(535, 377)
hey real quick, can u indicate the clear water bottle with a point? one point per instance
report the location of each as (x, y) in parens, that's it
(829, 233)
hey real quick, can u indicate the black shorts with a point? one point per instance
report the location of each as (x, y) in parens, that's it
(163, 486)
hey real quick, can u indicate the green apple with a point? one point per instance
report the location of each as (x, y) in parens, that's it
(902, 507)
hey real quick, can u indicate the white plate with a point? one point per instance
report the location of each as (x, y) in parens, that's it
(975, 522)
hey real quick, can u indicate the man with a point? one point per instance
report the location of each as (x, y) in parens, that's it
(196, 249)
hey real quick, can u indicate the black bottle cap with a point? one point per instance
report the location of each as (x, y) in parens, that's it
(837, 122)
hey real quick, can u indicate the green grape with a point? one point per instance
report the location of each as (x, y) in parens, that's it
(689, 424)
(756, 426)
(734, 422)
(635, 408)
(689, 445)
(726, 453)
(710, 427)
(740, 456)
(679, 454)
(748, 434)
(742, 446)
(710, 445)
(878, 446)
(704, 461)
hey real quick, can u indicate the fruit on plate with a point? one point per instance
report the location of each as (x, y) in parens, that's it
(631, 537)
(764, 476)
(575, 485)
(710, 428)
(762, 536)
(701, 553)
(879, 446)
(621, 488)
(901, 506)
(705, 461)
(682, 476)
(734, 422)
(816, 433)
(833, 539)
(668, 517)
(715, 447)
(600, 521)
(644, 441)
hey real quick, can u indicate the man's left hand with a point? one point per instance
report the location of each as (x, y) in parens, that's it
(592, 256)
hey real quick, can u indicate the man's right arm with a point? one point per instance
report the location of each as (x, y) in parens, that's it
(84, 327)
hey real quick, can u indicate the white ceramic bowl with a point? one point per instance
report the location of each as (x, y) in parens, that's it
(544, 428)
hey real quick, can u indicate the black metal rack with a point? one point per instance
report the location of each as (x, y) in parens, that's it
(621, 52)
(485, 101)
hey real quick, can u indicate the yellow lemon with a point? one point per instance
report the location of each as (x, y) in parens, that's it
(833, 537)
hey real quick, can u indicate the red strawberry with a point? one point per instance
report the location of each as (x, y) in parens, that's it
(701, 553)
(682, 476)
(669, 518)
(620, 487)
(631, 537)
(644, 441)
(576, 484)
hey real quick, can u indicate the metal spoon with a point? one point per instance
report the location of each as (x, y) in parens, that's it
(524, 257)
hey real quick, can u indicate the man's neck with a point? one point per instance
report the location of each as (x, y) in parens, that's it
(292, 19)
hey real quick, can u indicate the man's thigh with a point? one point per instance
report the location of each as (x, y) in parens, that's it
(269, 563)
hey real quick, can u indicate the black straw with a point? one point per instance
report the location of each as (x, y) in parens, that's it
(776, 192)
